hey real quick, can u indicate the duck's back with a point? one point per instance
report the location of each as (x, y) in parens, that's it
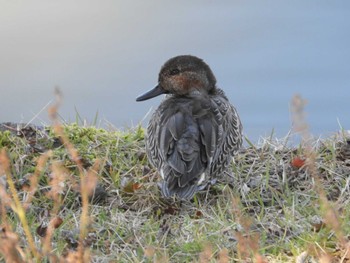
(191, 140)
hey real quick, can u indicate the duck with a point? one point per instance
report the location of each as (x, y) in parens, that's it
(195, 132)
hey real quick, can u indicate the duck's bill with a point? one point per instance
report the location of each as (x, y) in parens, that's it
(158, 90)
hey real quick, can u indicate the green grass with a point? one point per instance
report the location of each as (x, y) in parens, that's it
(266, 209)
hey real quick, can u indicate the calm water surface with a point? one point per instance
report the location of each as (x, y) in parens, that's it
(103, 54)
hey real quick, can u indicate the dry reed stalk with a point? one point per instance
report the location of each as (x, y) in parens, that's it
(57, 186)
(9, 241)
(248, 246)
(88, 180)
(9, 247)
(34, 178)
(5, 199)
(16, 205)
(300, 126)
(223, 256)
(206, 254)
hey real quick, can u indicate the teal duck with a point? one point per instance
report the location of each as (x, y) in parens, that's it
(195, 132)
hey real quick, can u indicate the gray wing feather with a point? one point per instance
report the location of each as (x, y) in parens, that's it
(185, 142)
(231, 134)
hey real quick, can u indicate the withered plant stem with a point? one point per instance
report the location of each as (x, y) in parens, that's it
(17, 206)
(330, 215)
(58, 129)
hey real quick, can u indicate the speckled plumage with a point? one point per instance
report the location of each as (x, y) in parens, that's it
(194, 133)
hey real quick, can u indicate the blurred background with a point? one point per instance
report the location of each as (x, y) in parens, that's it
(103, 54)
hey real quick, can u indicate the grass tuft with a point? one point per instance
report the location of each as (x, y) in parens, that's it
(71, 193)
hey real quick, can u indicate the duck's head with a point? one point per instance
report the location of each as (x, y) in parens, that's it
(183, 76)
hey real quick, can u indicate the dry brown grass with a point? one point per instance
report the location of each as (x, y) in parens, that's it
(329, 209)
(9, 242)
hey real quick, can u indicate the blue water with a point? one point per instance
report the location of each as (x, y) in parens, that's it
(103, 54)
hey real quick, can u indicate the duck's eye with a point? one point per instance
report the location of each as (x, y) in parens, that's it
(174, 71)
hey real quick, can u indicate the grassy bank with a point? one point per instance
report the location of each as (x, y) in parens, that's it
(83, 193)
